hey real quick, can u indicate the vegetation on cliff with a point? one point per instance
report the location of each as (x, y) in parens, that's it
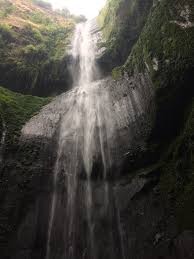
(121, 22)
(34, 44)
(164, 51)
(15, 110)
(18, 162)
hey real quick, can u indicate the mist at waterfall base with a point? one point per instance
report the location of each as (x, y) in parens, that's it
(94, 126)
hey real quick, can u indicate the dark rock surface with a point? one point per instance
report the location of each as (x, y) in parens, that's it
(150, 194)
(26, 179)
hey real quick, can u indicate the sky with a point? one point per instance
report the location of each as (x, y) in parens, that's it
(89, 8)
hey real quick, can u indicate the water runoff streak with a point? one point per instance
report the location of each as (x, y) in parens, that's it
(84, 152)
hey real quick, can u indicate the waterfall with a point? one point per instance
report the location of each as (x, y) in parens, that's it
(96, 125)
(86, 129)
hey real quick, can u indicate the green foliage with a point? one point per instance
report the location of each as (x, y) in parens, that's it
(34, 53)
(108, 18)
(38, 17)
(42, 39)
(16, 109)
(117, 73)
(6, 32)
(37, 35)
(6, 8)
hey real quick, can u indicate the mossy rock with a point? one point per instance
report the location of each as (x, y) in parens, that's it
(121, 22)
(15, 110)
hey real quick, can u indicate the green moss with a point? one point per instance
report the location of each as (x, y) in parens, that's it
(113, 17)
(117, 73)
(107, 18)
(121, 22)
(161, 39)
(16, 109)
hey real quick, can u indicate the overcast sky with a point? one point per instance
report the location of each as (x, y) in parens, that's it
(89, 8)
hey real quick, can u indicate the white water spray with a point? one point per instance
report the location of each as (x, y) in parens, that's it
(97, 125)
(85, 131)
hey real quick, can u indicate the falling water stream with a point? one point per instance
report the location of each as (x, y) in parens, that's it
(85, 132)
(96, 126)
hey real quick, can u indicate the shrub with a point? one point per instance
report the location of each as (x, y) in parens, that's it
(6, 8)
(6, 32)
(37, 53)
(38, 17)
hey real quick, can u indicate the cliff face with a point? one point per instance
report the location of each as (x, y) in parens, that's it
(164, 50)
(153, 188)
(118, 20)
(20, 164)
(163, 209)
